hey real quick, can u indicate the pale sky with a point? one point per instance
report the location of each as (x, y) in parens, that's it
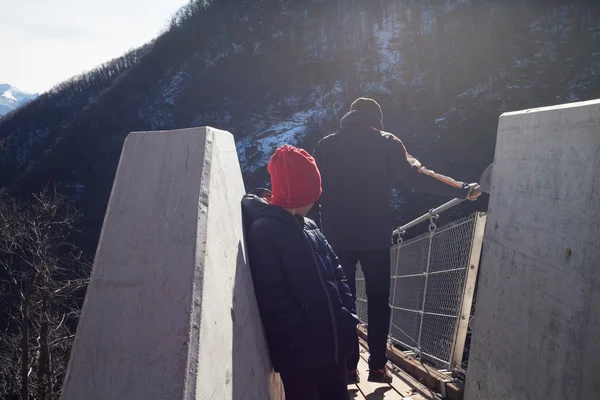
(44, 42)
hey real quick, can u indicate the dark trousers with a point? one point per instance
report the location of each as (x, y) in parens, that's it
(327, 383)
(376, 269)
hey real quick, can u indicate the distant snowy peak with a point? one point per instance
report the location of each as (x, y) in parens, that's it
(12, 98)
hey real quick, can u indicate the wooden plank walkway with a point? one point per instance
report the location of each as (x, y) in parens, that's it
(403, 387)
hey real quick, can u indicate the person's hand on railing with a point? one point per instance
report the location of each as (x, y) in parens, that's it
(474, 191)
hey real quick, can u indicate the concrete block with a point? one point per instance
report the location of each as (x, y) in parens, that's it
(537, 321)
(170, 312)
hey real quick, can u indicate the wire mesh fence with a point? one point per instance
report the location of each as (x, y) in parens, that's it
(361, 297)
(428, 291)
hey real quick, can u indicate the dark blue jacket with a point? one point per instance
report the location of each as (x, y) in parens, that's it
(305, 305)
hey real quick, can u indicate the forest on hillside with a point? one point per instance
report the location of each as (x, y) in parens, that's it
(273, 72)
(278, 71)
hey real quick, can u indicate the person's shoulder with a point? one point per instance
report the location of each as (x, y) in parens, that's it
(313, 229)
(310, 224)
(265, 229)
(264, 223)
(332, 137)
(273, 232)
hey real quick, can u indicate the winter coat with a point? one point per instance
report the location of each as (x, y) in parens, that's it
(356, 166)
(305, 305)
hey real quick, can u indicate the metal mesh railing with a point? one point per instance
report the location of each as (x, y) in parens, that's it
(361, 296)
(428, 291)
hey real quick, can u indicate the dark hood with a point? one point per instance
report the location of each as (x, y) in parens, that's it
(253, 207)
(259, 191)
(358, 119)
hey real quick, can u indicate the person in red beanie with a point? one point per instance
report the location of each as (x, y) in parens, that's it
(305, 305)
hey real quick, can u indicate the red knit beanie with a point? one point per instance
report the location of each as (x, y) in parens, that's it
(295, 178)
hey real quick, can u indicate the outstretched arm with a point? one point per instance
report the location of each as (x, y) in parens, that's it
(418, 177)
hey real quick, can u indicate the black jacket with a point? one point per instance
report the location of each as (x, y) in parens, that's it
(305, 305)
(356, 166)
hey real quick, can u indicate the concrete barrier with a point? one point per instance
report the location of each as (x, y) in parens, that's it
(536, 328)
(170, 311)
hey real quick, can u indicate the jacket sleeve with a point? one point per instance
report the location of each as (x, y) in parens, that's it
(281, 314)
(342, 282)
(399, 166)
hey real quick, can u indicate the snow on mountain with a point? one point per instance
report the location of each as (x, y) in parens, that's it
(12, 98)
(255, 150)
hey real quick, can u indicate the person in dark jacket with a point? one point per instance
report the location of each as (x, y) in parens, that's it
(357, 164)
(305, 305)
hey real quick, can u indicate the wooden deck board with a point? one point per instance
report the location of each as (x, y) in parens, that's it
(427, 376)
(372, 390)
(409, 387)
(403, 386)
(355, 393)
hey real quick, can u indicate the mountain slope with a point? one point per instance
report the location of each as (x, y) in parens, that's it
(12, 98)
(31, 130)
(276, 71)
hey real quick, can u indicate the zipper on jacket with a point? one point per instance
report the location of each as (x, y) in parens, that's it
(334, 324)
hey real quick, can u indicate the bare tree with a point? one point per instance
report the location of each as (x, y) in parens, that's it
(42, 281)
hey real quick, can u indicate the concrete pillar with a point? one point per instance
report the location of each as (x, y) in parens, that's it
(170, 312)
(536, 331)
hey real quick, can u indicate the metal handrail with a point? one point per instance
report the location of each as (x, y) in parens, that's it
(431, 214)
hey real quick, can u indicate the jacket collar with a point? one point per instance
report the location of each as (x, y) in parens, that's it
(254, 207)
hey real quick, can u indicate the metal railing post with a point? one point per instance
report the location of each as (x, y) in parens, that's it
(460, 336)
(432, 228)
(399, 244)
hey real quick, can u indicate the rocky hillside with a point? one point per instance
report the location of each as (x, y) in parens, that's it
(12, 98)
(281, 71)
